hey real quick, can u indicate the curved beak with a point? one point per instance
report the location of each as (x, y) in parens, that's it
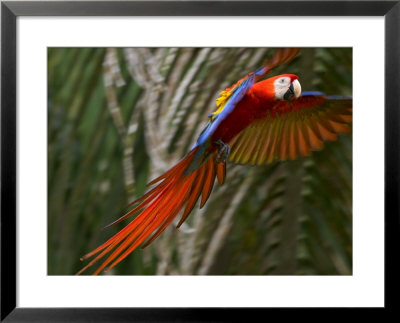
(294, 90)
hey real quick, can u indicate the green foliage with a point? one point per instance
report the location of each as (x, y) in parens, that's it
(120, 117)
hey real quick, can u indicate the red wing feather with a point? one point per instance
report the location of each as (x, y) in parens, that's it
(160, 206)
(221, 172)
(194, 195)
(294, 129)
(208, 182)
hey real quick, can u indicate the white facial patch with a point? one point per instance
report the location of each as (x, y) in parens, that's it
(281, 86)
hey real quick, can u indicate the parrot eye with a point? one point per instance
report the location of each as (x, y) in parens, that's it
(281, 86)
(285, 89)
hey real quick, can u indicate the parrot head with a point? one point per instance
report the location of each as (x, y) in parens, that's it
(287, 87)
(282, 87)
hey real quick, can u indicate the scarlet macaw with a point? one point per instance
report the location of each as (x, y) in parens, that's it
(256, 122)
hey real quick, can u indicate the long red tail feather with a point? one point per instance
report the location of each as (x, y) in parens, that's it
(159, 207)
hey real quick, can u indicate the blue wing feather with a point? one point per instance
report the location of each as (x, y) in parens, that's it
(312, 93)
(228, 108)
(328, 97)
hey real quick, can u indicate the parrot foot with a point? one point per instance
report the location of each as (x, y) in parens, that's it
(223, 151)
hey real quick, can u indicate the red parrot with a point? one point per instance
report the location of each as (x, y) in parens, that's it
(257, 122)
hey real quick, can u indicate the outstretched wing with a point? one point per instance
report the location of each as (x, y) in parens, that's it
(292, 129)
(228, 98)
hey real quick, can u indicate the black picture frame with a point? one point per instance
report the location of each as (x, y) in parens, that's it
(10, 11)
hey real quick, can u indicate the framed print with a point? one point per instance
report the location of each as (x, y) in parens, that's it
(164, 106)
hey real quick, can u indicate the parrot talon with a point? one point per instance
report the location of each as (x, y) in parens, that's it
(223, 151)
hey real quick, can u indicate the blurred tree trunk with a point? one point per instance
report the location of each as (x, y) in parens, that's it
(120, 117)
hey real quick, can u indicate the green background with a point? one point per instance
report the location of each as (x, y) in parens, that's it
(119, 117)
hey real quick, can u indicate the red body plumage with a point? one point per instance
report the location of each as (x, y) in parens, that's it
(256, 103)
(259, 126)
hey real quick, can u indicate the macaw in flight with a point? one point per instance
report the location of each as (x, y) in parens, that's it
(256, 122)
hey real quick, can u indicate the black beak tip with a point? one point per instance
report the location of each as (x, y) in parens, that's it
(289, 93)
